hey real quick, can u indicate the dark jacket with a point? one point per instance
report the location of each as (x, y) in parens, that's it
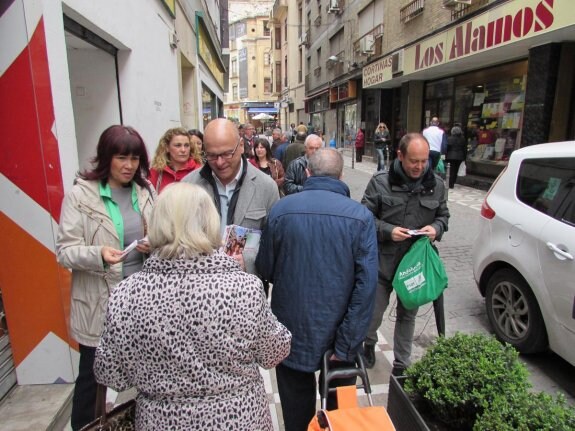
(295, 176)
(319, 250)
(293, 151)
(456, 148)
(392, 204)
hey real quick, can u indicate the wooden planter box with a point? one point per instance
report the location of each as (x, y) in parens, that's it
(401, 410)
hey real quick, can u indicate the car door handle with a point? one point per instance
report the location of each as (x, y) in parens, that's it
(557, 250)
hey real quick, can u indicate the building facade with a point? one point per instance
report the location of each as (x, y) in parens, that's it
(250, 96)
(498, 68)
(289, 42)
(68, 71)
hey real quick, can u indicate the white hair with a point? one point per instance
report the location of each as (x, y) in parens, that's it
(184, 222)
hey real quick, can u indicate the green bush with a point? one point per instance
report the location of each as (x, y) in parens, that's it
(526, 412)
(460, 377)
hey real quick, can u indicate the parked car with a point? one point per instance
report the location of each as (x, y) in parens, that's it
(523, 256)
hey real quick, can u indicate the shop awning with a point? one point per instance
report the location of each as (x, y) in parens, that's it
(260, 110)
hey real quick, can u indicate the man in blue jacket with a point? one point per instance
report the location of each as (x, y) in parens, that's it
(319, 250)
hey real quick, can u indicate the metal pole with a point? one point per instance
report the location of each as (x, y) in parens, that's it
(352, 155)
(446, 181)
(387, 158)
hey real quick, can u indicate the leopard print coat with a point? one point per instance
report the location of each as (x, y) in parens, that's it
(189, 335)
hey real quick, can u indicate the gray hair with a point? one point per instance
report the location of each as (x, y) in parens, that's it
(311, 137)
(184, 222)
(456, 130)
(326, 162)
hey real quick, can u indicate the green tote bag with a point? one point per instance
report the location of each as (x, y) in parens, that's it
(420, 277)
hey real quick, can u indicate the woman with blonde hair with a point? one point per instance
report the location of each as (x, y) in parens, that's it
(191, 329)
(175, 158)
(381, 140)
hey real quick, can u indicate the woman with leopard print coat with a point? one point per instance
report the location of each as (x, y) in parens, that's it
(191, 329)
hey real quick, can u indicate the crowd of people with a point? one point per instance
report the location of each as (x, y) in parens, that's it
(186, 322)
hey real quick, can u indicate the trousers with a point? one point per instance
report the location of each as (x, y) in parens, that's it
(85, 390)
(298, 393)
(380, 159)
(404, 324)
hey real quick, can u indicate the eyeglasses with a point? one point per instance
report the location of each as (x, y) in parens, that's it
(226, 155)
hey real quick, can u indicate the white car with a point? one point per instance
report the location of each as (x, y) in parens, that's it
(523, 257)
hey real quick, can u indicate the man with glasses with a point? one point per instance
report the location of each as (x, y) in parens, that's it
(243, 194)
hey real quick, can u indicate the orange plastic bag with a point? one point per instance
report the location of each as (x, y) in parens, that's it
(350, 417)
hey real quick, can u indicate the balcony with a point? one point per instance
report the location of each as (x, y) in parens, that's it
(375, 34)
(463, 9)
(411, 11)
(280, 7)
(317, 71)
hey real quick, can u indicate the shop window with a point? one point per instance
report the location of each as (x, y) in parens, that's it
(488, 104)
(494, 118)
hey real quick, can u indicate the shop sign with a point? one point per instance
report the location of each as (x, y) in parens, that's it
(208, 54)
(377, 72)
(508, 23)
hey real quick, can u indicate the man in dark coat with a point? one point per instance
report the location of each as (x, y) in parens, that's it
(408, 197)
(294, 150)
(319, 250)
(296, 174)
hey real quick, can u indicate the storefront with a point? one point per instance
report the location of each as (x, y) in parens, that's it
(504, 75)
(321, 118)
(345, 97)
(488, 105)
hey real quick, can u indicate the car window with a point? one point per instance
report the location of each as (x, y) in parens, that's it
(547, 185)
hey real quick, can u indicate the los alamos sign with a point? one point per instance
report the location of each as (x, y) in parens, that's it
(510, 22)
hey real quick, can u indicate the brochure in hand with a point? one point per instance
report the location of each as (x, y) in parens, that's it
(239, 239)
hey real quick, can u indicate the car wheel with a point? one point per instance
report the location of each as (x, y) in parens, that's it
(514, 313)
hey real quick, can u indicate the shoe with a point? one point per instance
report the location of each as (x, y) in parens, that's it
(397, 371)
(369, 355)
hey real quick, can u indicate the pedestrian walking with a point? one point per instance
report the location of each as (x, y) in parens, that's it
(408, 197)
(435, 136)
(382, 143)
(319, 250)
(296, 174)
(456, 153)
(359, 145)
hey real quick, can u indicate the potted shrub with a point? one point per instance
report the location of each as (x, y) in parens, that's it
(471, 382)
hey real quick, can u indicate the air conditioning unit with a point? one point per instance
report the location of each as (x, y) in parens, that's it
(366, 45)
(303, 39)
(453, 3)
(333, 6)
(397, 62)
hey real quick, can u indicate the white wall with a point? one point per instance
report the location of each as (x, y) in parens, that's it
(147, 65)
(94, 97)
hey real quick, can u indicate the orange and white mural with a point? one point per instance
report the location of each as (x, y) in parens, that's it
(35, 288)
